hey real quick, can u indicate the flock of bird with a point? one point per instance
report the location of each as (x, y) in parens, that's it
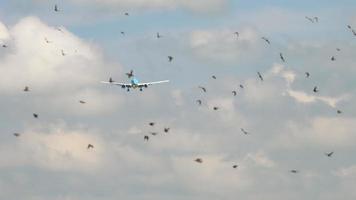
(202, 88)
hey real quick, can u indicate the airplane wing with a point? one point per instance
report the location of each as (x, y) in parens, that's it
(127, 85)
(152, 83)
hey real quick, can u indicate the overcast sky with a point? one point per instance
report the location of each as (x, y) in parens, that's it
(289, 126)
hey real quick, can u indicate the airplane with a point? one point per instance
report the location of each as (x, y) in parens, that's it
(134, 83)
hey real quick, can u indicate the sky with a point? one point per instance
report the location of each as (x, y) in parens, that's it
(62, 57)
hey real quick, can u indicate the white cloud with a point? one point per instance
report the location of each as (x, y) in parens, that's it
(57, 149)
(60, 80)
(303, 97)
(4, 34)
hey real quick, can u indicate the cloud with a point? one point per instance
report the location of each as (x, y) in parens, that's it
(4, 34)
(34, 59)
(57, 148)
(305, 98)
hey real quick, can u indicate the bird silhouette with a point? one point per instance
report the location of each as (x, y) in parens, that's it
(241, 86)
(244, 131)
(213, 77)
(166, 130)
(151, 123)
(4, 46)
(63, 54)
(170, 58)
(294, 171)
(90, 146)
(17, 134)
(315, 90)
(146, 138)
(307, 74)
(237, 34)
(199, 102)
(35, 115)
(127, 14)
(154, 133)
(122, 33)
(234, 166)
(130, 74)
(329, 154)
(310, 19)
(158, 35)
(26, 89)
(82, 102)
(266, 40)
(282, 57)
(260, 76)
(47, 41)
(199, 160)
(234, 93)
(333, 58)
(202, 88)
(56, 9)
(216, 108)
(339, 112)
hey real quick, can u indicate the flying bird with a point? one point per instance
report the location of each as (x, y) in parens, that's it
(266, 40)
(166, 130)
(199, 160)
(47, 41)
(56, 9)
(4, 46)
(35, 115)
(158, 35)
(241, 86)
(237, 34)
(203, 88)
(216, 108)
(127, 14)
(213, 76)
(63, 54)
(294, 171)
(315, 90)
(339, 112)
(130, 74)
(82, 102)
(244, 131)
(310, 19)
(170, 58)
(282, 57)
(122, 33)
(27, 89)
(17, 134)
(234, 93)
(260, 76)
(329, 154)
(146, 138)
(199, 102)
(151, 123)
(333, 58)
(154, 133)
(90, 146)
(234, 166)
(307, 74)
